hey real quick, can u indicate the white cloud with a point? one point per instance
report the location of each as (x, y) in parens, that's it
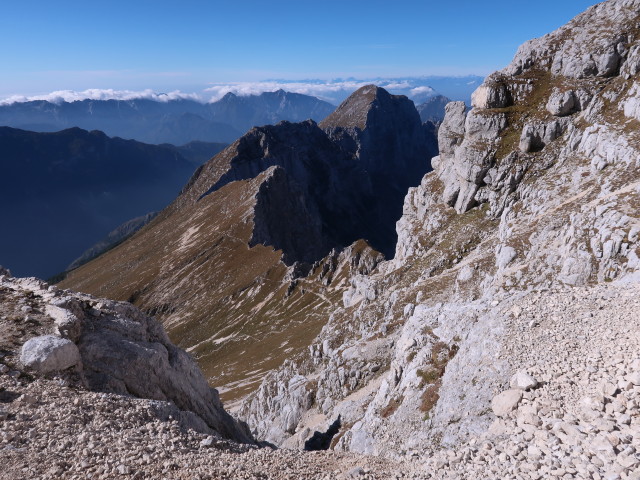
(326, 91)
(331, 90)
(422, 90)
(334, 91)
(102, 94)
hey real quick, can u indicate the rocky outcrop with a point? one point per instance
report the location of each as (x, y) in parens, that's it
(113, 347)
(531, 203)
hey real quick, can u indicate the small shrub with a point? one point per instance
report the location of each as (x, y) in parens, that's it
(391, 408)
(436, 351)
(441, 354)
(429, 376)
(430, 397)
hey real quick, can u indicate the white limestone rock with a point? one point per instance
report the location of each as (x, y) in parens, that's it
(492, 93)
(505, 402)
(562, 103)
(523, 381)
(535, 136)
(49, 353)
(67, 323)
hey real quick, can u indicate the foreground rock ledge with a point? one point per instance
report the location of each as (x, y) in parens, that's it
(113, 347)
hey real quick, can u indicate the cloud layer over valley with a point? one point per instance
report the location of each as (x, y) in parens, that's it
(334, 91)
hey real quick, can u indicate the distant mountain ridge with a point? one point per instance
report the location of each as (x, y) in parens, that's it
(64, 191)
(432, 110)
(177, 121)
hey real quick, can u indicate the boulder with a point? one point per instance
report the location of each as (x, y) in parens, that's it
(523, 381)
(634, 378)
(49, 353)
(491, 94)
(506, 402)
(535, 136)
(561, 103)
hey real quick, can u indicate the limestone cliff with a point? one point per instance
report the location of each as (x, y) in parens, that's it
(535, 188)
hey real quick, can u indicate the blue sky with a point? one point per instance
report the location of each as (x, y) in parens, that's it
(187, 45)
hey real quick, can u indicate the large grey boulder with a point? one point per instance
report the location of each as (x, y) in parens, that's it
(493, 93)
(561, 103)
(49, 353)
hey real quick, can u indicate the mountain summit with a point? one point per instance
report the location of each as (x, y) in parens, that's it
(276, 205)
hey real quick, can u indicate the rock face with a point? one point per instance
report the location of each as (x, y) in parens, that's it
(503, 251)
(267, 219)
(115, 348)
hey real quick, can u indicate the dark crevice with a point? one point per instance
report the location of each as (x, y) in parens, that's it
(322, 440)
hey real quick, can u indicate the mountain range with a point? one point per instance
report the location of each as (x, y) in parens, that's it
(531, 202)
(62, 192)
(277, 204)
(177, 121)
(29, 155)
(465, 311)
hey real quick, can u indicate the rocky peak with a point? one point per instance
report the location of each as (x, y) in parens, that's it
(229, 96)
(379, 129)
(597, 43)
(353, 179)
(354, 112)
(265, 217)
